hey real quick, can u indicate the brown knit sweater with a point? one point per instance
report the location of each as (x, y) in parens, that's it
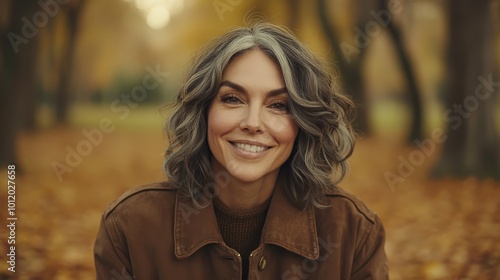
(241, 230)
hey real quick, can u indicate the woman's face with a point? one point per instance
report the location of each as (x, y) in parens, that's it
(250, 130)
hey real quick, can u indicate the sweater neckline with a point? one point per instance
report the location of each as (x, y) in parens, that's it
(240, 214)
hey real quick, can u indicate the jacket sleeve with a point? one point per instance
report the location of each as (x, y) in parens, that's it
(370, 261)
(110, 252)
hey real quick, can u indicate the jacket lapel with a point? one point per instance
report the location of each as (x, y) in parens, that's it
(289, 227)
(193, 227)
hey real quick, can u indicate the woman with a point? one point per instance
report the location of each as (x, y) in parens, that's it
(256, 133)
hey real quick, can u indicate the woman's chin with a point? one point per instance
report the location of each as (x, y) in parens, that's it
(248, 176)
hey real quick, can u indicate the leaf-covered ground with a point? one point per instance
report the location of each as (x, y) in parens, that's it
(446, 229)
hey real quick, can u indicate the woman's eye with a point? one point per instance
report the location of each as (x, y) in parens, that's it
(281, 106)
(230, 99)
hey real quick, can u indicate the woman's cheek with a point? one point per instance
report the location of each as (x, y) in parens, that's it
(221, 120)
(283, 126)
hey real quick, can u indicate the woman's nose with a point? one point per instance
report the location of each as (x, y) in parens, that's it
(252, 120)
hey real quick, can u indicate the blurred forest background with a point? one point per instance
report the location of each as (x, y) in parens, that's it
(82, 83)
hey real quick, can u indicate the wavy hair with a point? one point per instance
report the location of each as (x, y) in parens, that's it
(325, 139)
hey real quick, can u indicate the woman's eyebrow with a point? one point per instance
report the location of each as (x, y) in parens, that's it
(240, 88)
(232, 85)
(276, 92)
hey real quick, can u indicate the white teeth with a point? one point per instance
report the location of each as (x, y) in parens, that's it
(250, 148)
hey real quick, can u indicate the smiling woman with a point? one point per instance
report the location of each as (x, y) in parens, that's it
(258, 139)
(250, 131)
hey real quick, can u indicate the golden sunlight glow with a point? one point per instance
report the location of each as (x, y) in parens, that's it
(158, 12)
(158, 17)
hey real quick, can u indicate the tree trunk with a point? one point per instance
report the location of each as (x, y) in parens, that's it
(63, 94)
(17, 79)
(350, 70)
(472, 148)
(406, 65)
(293, 15)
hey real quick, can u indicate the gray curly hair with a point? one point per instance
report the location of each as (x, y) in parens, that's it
(325, 139)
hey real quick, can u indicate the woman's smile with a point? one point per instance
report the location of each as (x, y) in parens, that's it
(250, 148)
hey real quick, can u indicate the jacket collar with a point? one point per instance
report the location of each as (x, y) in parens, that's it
(193, 227)
(289, 227)
(286, 226)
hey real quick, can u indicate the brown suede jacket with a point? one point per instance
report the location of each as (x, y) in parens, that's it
(153, 233)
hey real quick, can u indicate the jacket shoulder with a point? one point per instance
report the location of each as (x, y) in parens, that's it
(340, 197)
(141, 193)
